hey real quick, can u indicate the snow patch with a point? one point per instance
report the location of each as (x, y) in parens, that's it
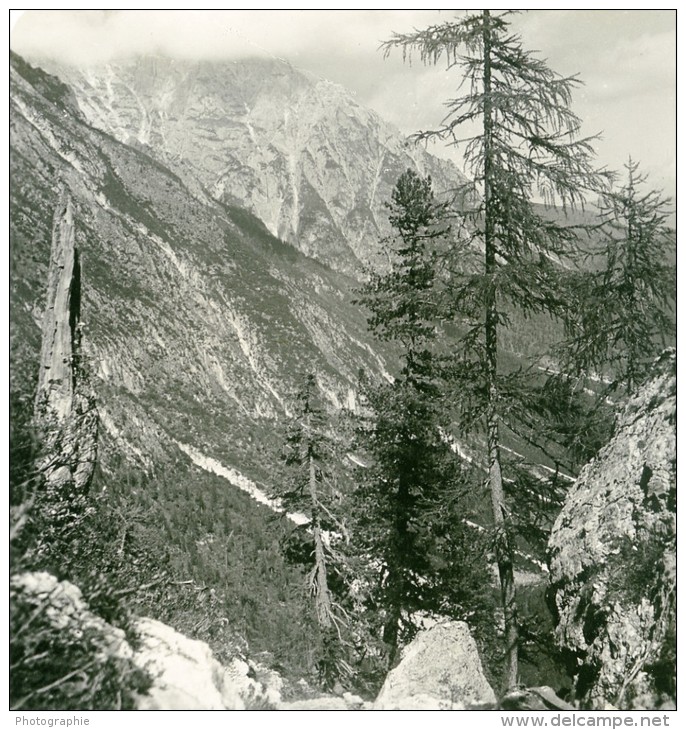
(356, 460)
(238, 480)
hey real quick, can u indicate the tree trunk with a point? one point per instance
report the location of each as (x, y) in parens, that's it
(397, 590)
(322, 596)
(64, 410)
(390, 634)
(503, 545)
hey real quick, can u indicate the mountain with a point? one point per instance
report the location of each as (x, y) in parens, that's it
(198, 322)
(296, 151)
(197, 328)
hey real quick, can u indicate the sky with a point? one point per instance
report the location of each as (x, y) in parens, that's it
(626, 59)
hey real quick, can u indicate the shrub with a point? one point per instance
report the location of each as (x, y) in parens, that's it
(63, 657)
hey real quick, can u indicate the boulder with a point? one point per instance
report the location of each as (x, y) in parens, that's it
(612, 556)
(185, 674)
(440, 669)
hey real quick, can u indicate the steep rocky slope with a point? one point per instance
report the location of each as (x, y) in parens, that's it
(612, 556)
(297, 151)
(198, 322)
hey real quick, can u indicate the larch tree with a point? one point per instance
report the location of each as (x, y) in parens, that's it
(622, 315)
(520, 142)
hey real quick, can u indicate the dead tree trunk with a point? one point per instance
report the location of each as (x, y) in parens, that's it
(320, 586)
(65, 407)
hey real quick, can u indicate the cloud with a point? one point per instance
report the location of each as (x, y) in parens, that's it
(84, 36)
(625, 58)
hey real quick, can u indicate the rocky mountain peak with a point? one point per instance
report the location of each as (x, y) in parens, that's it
(297, 151)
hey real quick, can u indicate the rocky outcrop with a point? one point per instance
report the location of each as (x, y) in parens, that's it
(612, 556)
(187, 676)
(60, 321)
(439, 670)
(63, 655)
(63, 606)
(184, 673)
(65, 409)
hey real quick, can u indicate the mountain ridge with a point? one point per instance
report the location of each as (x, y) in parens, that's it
(193, 311)
(296, 150)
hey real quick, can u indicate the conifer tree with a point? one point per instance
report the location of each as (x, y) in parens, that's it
(402, 301)
(413, 471)
(526, 146)
(310, 490)
(621, 318)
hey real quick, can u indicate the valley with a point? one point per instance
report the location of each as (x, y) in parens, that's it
(229, 219)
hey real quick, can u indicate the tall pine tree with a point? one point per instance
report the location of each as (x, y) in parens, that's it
(409, 501)
(526, 147)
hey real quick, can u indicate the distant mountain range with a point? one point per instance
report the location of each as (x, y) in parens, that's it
(198, 322)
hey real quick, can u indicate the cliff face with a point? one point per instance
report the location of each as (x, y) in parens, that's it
(295, 150)
(198, 324)
(612, 556)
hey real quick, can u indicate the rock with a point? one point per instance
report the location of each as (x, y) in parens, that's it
(316, 703)
(186, 676)
(55, 375)
(534, 698)
(64, 656)
(612, 553)
(550, 698)
(353, 701)
(267, 685)
(521, 699)
(185, 673)
(63, 606)
(439, 670)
